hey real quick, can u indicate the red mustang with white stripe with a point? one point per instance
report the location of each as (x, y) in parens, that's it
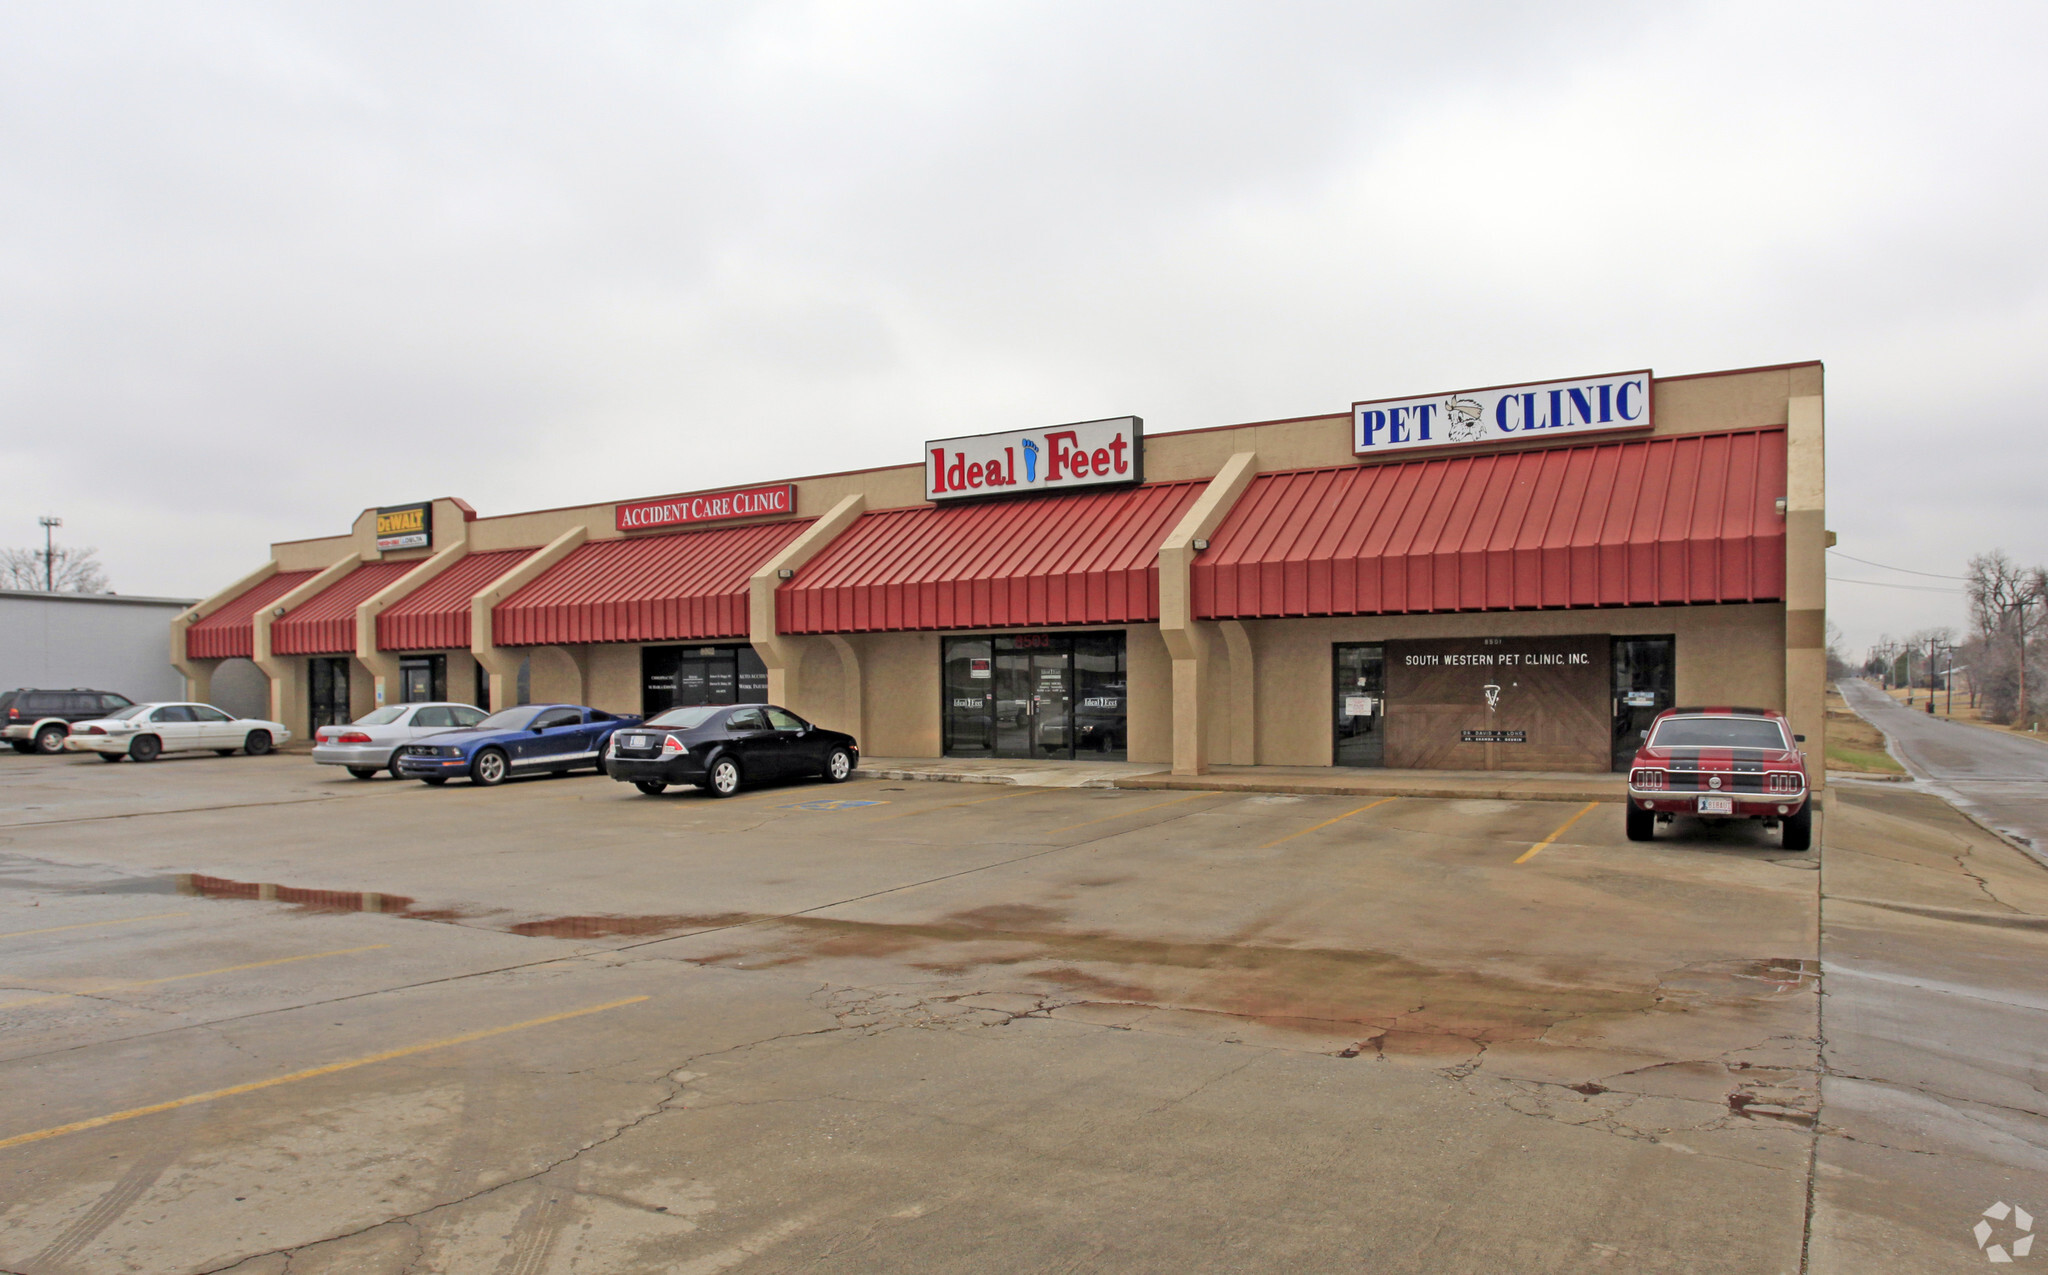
(1717, 764)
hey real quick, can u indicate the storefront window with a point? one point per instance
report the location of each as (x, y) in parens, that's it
(689, 676)
(1042, 695)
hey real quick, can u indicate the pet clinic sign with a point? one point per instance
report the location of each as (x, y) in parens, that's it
(1105, 453)
(1503, 414)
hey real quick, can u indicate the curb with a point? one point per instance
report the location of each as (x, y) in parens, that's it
(1310, 788)
(926, 776)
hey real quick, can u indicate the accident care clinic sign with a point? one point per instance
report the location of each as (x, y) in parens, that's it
(676, 511)
(1503, 414)
(1104, 453)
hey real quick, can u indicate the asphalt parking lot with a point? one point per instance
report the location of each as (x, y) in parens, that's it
(255, 1014)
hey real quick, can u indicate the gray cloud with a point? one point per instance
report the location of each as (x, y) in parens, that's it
(266, 265)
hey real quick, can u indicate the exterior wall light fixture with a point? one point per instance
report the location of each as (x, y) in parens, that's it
(785, 573)
(1781, 506)
(1201, 545)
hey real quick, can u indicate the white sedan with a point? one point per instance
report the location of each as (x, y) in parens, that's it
(370, 743)
(147, 731)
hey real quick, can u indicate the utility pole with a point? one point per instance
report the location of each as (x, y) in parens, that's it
(50, 524)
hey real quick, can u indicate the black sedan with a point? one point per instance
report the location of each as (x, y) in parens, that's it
(722, 746)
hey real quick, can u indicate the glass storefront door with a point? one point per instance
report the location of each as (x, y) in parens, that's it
(1361, 704)
(327, 691)
(1645, 684)
(1034, 695)
(423, 679)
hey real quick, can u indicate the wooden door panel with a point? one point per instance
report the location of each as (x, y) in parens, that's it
(1550, 705)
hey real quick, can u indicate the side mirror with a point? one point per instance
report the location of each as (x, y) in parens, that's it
(1644, 733)
(538, 730)
(1799, 739)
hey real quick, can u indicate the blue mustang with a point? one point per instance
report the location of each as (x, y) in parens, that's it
(528, 740)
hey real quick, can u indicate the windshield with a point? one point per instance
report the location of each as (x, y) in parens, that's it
(125, 714)
(1718, 732)
(508, 719)
(381, 717)
(684, 718)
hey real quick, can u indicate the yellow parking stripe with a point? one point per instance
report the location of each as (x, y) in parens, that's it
(1537, 849)
(80, 1126)
(173, 978)
(1327, 822)
(86, 925)
(1124, 814)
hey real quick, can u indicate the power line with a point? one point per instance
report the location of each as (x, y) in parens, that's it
(1908, 570)
(1885, 584)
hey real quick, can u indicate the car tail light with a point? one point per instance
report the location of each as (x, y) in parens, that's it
(670, 746)
(13, 713)
(352, 737)
(1783, 781)
(1646, 779)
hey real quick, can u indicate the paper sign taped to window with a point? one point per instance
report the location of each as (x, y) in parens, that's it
(1358, 706)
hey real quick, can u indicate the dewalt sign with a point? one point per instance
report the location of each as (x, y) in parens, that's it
(405, 527)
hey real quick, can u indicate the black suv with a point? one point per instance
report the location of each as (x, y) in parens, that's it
(38, 721)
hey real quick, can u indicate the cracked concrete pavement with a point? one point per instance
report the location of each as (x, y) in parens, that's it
(953, 1030)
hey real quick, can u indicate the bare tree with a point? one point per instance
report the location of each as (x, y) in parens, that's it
(69, 570)
(2006, 598)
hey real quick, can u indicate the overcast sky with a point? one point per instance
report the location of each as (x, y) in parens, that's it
(263, 265)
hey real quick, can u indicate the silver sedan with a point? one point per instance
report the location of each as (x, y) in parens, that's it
(368, 744)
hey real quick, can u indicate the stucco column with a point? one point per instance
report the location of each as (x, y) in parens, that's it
(501, 665)
(381, 665)
(1189, 641)
(1806, 587)
(783, 654)
(1244, 694)
(287, 705)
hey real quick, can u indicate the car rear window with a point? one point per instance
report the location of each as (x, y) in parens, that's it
(1717, 732)
(685, 718)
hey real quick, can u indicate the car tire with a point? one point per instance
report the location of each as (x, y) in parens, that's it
(838, 766)
(1642, 824)
(1796, 831)
(490, 769)
(363, 772)
(257, 744)
(146, 748)
(433, 781)
(50, 740)
(110, 756)
(652, 787)
(724, 778)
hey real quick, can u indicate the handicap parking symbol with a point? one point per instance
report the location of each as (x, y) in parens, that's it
(831, 805)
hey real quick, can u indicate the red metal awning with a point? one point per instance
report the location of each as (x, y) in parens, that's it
(435, 616)
(1080, 559)
(682, 587)
(325, 624)
(1689, 518)
(230, 631)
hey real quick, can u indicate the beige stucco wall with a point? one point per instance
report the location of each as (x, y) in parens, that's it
(1725, 654)
(899, 694)
(613, 670)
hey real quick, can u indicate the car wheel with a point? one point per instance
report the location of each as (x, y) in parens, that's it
(110, 756)
(433, 781)
(257, 744)
(50, 739)
(838, 766)
(652, 787)
(724, 779)
(1797, 830)
(363, 772)
(489, 769)
(1642, 824)
(602, 769)
(146, 748)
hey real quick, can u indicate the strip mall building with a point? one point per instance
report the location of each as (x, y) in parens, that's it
(1512, 578)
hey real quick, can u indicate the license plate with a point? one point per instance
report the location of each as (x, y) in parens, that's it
(637, 741)
(1717, 805)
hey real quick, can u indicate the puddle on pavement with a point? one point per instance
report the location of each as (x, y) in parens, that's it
(604, 927)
